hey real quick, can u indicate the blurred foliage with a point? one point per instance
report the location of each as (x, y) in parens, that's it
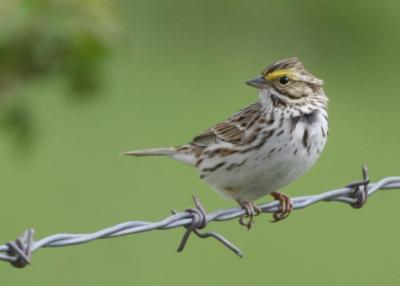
(15, 120)
(68, 40)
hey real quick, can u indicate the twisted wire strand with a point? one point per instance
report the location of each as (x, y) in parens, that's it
(18, 253)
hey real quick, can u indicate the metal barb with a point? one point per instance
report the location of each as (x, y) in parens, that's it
(20, 249)
(200, 221)
(361, 195)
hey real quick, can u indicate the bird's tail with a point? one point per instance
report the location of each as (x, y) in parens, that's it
(153, 152)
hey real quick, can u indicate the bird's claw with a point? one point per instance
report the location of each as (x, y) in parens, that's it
(286, 206)
(251, 210)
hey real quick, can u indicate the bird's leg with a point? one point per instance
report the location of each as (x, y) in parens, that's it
(251, 211)
(285, 207)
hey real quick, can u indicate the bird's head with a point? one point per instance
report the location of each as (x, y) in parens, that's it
(288, 80)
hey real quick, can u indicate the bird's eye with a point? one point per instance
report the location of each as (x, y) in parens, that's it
(284, 80)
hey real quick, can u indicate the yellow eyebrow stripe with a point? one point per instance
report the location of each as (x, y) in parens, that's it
(277, 74)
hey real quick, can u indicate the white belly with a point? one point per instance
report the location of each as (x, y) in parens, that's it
(281, 160)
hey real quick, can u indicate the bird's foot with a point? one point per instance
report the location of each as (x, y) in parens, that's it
(251, 210)
(285, 207)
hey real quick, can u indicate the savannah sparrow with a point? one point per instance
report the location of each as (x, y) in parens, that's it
(264, 146)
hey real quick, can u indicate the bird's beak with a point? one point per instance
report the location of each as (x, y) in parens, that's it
(259, 82)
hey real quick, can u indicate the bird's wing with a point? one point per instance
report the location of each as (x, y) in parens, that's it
(232, 130)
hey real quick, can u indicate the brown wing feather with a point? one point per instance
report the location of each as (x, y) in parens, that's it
(233, 130)
(205, 139)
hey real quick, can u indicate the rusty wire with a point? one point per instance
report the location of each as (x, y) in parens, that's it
(18, 252)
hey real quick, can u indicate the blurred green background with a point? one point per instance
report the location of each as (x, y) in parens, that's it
(81, 81)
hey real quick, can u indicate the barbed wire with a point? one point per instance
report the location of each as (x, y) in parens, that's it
(18, 253)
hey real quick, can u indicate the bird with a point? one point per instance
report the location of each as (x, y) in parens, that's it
(264, 146)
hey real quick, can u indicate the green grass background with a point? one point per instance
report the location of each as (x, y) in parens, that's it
(178, 67)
